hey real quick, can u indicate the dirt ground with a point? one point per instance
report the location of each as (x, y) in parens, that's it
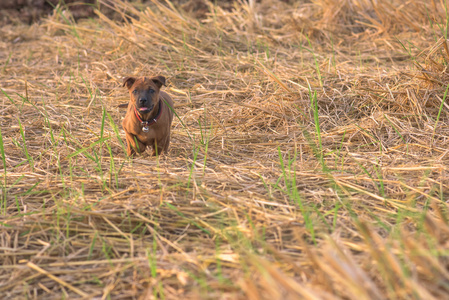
(30, 11)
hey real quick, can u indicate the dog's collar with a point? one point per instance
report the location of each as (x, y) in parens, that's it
(150, 122)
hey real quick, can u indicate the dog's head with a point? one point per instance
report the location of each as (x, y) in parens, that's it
(144, 92)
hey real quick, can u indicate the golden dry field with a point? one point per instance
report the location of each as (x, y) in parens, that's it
(309, 153)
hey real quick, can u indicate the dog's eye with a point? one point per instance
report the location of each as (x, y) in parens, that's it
(135, 92)
(151, 91)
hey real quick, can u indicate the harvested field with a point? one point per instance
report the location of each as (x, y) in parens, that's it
(308, 160)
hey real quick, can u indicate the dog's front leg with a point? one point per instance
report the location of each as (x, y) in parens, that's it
(158, 147)
(134, 145)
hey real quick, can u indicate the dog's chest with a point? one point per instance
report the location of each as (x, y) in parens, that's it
(147, 136)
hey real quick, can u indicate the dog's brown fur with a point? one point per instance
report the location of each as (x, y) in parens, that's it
(146, 97)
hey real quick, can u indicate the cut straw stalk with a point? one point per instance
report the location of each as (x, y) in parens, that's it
(61, 282)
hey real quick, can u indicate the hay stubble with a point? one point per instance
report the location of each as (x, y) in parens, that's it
(264, 193)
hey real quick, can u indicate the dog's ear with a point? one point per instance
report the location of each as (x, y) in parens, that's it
(158, 81)
(129, 81)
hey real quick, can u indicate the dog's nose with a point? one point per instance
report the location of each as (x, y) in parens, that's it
(143, 100)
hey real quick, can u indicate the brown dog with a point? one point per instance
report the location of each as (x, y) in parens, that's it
(148, 119)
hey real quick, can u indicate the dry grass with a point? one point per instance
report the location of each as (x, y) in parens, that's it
(308, 160)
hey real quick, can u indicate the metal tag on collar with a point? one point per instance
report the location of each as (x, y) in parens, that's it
(145, 127)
